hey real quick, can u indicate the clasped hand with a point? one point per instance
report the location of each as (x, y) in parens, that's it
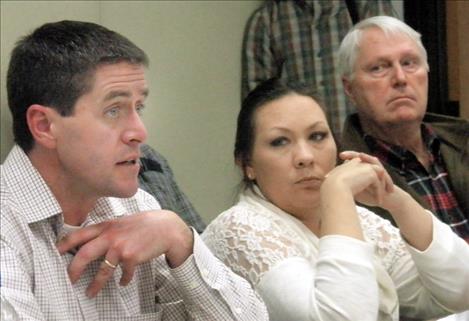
(127, 242)
(365, 177)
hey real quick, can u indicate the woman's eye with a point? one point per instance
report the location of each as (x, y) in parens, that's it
(279, 142)
(113, 112)
(318, 136)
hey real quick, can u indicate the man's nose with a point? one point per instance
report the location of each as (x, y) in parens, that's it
(399, 75)
(136, 131)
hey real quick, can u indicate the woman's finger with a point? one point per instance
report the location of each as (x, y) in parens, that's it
(348, 154)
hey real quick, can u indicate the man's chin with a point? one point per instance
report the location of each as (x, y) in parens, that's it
(406, 115)
(124, 192)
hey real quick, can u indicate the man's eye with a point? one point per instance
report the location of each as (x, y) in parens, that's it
(377, 69)
(140, 109)
(279, 142)
(410, 64)
(113, 112)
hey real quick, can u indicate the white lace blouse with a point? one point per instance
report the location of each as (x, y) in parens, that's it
(301, 277)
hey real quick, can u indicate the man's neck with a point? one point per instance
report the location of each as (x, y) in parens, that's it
(75, 205)
(406, 135)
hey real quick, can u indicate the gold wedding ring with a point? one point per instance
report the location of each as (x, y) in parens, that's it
(112, 266)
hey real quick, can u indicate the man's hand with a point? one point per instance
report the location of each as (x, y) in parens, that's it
(128, 242)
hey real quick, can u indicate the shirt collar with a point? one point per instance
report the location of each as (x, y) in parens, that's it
(28, 187)
(36, 199)
(397, 155)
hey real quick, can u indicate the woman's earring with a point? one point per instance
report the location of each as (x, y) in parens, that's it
(250, 176)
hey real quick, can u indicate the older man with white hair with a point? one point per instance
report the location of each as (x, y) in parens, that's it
(384, 70)
(385, 74)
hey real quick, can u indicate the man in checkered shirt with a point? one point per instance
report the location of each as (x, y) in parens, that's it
(79, 240)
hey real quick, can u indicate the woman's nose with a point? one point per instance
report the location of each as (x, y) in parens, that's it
(304, 155)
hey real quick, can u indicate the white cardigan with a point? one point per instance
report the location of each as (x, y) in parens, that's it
(303, 278)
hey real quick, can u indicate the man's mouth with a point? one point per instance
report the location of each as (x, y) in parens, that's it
(128, 162)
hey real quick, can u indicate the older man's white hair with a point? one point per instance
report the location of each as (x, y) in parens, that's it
(390, 26)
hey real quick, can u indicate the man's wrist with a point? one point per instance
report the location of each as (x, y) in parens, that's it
(182, 246)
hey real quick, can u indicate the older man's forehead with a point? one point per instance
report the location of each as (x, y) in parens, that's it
(375, 39)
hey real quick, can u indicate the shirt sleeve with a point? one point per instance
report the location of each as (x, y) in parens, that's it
(434, 282)
(211, 291)
(336, 283)
(15, 287)
(339, 286)
(443, 273)
(258, 59)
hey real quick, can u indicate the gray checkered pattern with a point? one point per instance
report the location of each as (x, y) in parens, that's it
(34, 280)
(158, 180)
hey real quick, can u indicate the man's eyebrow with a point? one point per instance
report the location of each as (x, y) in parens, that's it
(122, 93)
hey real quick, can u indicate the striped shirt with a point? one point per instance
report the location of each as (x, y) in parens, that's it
(298, 41)
(432, 184)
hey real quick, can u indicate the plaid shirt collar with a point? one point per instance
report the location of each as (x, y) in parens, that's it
(399, 157)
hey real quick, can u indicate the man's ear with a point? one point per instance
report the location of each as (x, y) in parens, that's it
(348, 89)
(41, 124)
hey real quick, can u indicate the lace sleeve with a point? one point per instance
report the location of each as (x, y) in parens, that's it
(389, 245)
(250, 243)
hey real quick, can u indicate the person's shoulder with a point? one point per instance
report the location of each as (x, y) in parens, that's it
(444, 120)
(236, 214)
(14, 225)
(267, 12)
(149, 152)
(154, 169)
(452, 129)
(10, 213)
(242, 214)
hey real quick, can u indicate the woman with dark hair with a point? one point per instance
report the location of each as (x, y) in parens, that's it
(298, 237)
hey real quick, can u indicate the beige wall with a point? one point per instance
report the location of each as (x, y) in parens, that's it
(194, 76)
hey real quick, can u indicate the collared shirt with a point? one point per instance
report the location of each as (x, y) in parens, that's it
(34, 279)
(298, 41)
(156, 178)
(432, 184)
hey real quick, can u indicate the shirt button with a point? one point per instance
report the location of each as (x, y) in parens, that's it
(193, 285)
(238, 310)
(204, 273)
